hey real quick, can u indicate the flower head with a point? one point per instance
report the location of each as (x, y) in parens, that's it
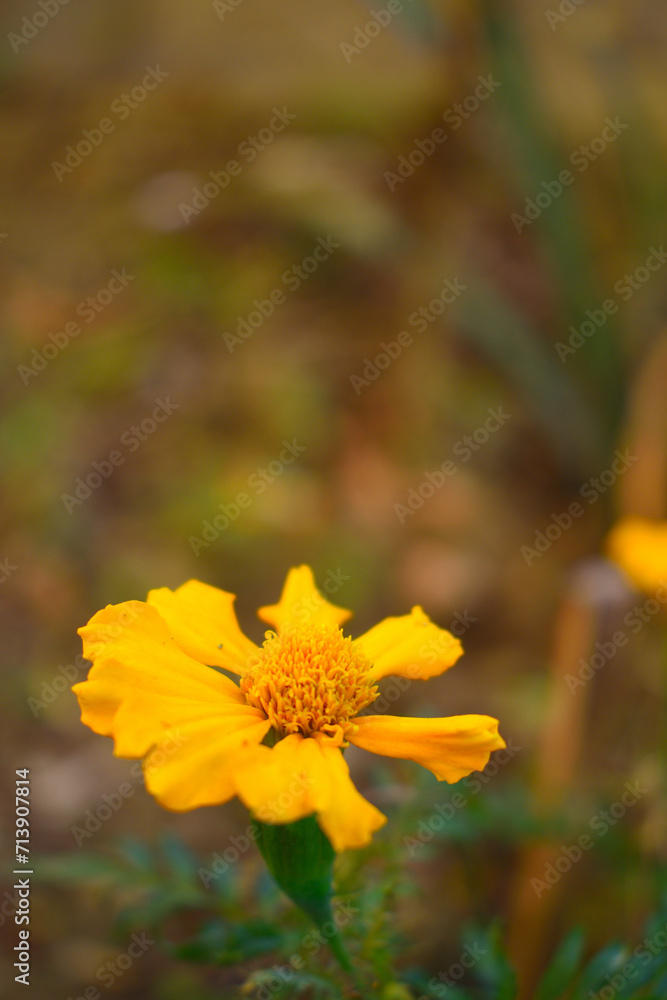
(203, 737)
(310, 679)
(639, 546)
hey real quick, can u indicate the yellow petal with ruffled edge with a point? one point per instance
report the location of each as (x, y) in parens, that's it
(300, 776)
(639, 546)
(202, 621)
(142, 720)
(135, 660)
(191, 766)
(280, 784)
(409, 646)
(301, 603)
(451, 748)
(348, 820)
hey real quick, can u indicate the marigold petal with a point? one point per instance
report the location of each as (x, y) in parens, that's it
(301, 603)
(191, 766)
(134, 655)
(142, 720)
(281, 784)
(300, 776)
(349, 820)
(451, 748)
(202, 621)
(409, 646)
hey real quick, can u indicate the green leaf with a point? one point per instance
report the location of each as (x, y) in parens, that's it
(571, 422)
(563, 967)
(294, 984)
(137, 852)
(493, 967)
(158, 904)
(222, 943)
(80, 868)
(182, 862)
(562, 232)
(601, 966)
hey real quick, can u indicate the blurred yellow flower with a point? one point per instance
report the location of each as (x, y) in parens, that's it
(639, 546)
(152, 689)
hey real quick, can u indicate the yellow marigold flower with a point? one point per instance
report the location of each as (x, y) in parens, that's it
(152, 689)
(639, 546)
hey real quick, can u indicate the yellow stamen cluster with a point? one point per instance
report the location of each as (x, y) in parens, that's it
(309, 679)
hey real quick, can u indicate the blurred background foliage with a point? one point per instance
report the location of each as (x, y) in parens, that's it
(162, 337)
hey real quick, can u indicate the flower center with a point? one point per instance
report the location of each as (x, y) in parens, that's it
(308, 679)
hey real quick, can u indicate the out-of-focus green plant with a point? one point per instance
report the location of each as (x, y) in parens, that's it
(201, 917)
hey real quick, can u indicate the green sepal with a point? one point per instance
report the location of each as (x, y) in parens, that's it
(300, 858)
